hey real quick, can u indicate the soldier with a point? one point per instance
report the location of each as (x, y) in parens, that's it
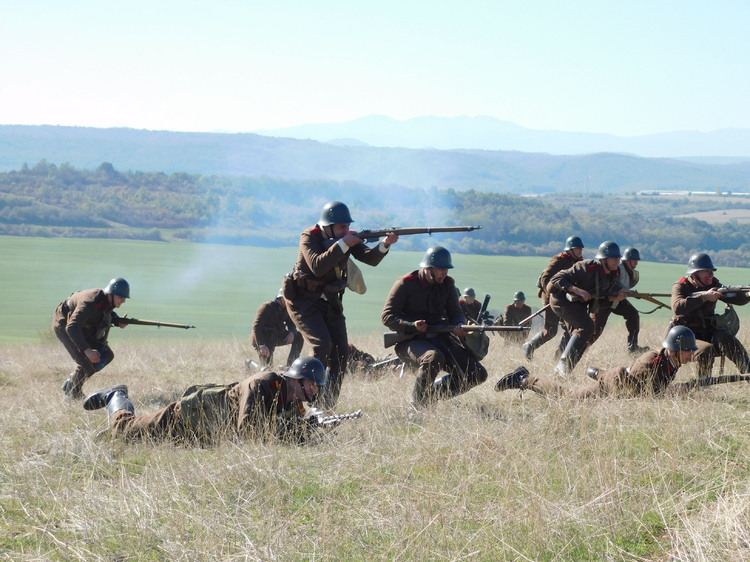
(82, 322)
(577, 292)
(273, 327)
(515, 312)
(628, 279)
(315, 289)
(267, 404)
(650, 374)
(572, 254)
(470, 306)
(694, 303)
(424, 298)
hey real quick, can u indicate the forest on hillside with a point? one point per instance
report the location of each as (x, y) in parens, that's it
(59, 200)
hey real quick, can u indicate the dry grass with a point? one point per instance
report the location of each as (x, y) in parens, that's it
(485, 476)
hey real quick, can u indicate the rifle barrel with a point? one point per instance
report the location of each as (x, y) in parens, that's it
(407, 231)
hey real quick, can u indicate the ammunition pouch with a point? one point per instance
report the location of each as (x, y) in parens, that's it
(728, 321)
(477, 343)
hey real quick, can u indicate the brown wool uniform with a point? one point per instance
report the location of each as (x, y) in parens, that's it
(314, 300)
(697, 314)
(512, 317)
(471, 311)
(651, 373)
(254, 408)
(590, 276)
(561, 261)
(82, 321)
(628, 279)
(271, 327)
(413, 298)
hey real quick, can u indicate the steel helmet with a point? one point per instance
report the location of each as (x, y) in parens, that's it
(309, 368)
(335, 212)
(437, 256)
(118, 286)
(608, 249)
(468, 292)
(698, 262)
(519, 296)
(573, 242)
(631, 254)
(680, 338)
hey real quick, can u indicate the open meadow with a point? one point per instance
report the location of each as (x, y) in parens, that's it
(485, 476)
(218, 288)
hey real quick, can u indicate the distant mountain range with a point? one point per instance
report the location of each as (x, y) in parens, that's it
(489, 133)
(248, 154)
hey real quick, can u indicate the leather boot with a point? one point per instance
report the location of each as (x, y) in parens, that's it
(531, 345)
(101, 398)
(572, 354)
(72, 387)
(447, 386)
(119, 401)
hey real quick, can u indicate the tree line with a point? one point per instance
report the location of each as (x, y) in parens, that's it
(51, 200)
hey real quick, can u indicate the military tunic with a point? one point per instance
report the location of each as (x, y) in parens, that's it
(257, 407)
(314, 294)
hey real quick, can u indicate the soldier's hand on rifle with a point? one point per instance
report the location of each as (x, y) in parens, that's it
(585, 296)
(459, 331)
(390, 238)
(621, 296)
(122, 325)
(712, 295)
(351, 239)
(421, 325)
(93, 356)
(263, 351)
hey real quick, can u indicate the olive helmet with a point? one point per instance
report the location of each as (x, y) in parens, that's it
(335, 212)
(118, 286)
(519, 296)
(631, 254)
(608, 249)
(573, 242)
(680, 338)
(698, 262)
(309, 368)
(469, 292)
(437, 256)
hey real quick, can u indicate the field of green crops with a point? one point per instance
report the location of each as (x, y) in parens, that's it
(218, 288)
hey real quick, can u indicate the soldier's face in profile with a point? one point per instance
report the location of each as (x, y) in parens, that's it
(610, 264)
(576, 252)
(340, 230)
(117, 300)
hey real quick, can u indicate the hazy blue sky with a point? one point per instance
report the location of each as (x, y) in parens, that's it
(627, 67)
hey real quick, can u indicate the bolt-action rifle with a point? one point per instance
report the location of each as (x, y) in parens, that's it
(317, 418)
(392, 338)
(730, 291)
(630, 294)
(531, 317)
(372, 235)
(125, 320)
(721, 379)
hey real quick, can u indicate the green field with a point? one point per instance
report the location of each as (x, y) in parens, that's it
(218, 288)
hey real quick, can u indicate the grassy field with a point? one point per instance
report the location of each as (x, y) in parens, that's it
(484, 476)
(219, 288)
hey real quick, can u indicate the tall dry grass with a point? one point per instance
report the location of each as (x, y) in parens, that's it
(485, 476)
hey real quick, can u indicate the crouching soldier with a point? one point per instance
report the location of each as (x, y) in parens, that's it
(651, 374)
(424, 298)
(265, 405)
(81, 323)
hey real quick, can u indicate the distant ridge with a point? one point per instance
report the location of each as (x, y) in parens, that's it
(489, 133)
(247, 154)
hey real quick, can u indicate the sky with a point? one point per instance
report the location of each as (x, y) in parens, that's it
(626, 68)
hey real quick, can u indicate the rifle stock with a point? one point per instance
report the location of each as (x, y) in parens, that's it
(392, 338)
(125, 320)
(371, 235)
